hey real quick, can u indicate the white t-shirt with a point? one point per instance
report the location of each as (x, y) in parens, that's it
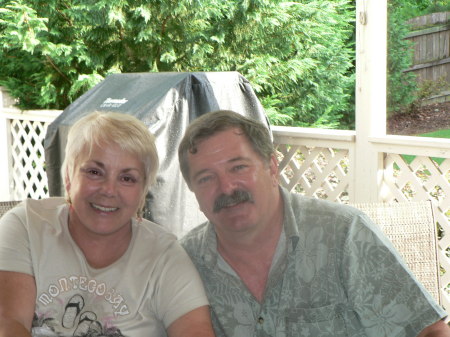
(141, 294)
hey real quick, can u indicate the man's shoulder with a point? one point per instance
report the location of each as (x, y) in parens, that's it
(313, 204)
(309, 212)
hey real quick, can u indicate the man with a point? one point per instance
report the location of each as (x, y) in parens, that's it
(276, 263)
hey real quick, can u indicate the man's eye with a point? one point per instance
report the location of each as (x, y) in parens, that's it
(239, 167)
(204, 179)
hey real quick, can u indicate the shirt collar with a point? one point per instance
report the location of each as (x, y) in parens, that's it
(289, 218)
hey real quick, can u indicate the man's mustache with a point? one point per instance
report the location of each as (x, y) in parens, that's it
(236, 197)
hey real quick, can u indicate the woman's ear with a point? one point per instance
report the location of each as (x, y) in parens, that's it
(141, 208)
(67, 182)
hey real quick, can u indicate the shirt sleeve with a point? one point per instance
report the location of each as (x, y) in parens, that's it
(14, 242)
(388, 299)
(180, 288)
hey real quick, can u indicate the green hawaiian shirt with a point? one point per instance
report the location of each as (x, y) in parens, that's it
(334, 274)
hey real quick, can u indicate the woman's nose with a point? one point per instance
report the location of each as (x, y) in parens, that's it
(109, 187)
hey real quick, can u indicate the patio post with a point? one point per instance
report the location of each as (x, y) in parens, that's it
(5, 145)
(370, 111)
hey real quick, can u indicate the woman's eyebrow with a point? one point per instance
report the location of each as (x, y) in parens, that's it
(102, 165)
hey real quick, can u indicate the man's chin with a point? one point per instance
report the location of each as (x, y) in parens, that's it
(232, 216)
(238, 225)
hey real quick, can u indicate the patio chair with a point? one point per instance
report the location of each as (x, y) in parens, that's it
(412, 230)
(5, 206)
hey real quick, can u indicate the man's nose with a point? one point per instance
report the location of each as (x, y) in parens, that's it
(227, 184)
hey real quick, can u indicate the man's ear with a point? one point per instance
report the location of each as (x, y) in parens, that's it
(273, 166)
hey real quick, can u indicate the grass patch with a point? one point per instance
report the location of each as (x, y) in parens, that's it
(437, 134)
(434, 134)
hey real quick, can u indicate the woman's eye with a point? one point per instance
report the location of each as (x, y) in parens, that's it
(129, 179)
(91, 171)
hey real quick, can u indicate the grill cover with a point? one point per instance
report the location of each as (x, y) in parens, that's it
(166, 103)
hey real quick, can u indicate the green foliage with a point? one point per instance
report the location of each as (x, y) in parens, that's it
(295, 54)
(425, 90)
(401, 85)
(428, 88)
(298, 56)
(412, 8)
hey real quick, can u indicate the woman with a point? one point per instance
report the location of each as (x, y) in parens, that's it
(87, 264)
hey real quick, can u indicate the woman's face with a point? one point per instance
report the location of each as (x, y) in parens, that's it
(106, 190)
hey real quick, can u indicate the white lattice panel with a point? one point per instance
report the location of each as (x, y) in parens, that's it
(314, 171)
(28, 163)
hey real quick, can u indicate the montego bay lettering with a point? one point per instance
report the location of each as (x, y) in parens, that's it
(91, 286)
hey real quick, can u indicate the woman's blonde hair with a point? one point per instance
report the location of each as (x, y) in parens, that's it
(108, 128)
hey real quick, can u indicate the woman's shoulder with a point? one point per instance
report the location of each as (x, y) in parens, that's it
(151, 239)
(36, 216)
(150, 230)
(45, 208)
(39, 208)
(44, 204)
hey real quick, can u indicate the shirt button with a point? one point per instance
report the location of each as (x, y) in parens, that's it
(260, 320)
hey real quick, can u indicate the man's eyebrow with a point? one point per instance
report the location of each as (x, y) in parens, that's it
(232, 160)
(199, 173)
(239, 158)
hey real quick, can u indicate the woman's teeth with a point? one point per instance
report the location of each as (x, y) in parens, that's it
(104, 209)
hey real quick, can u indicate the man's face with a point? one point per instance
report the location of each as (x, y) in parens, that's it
(234, 187)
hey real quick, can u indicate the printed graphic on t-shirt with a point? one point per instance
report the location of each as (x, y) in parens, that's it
(83, 323)
(78, 306)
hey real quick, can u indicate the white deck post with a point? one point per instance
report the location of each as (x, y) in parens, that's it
(5, 151)
(371, 51)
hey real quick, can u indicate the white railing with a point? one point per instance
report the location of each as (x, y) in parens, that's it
(314, 162)
(22, 153)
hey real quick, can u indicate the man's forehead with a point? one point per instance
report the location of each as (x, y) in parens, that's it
(226, 139)
(228, 132)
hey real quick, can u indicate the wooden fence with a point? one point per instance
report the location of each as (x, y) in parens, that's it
(431, 39)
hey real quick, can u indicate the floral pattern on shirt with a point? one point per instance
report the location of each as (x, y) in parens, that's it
(340, 277)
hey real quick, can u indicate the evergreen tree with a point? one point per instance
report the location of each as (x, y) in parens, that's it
(295, 54)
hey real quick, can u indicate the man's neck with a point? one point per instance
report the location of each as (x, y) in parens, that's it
(252, 263)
